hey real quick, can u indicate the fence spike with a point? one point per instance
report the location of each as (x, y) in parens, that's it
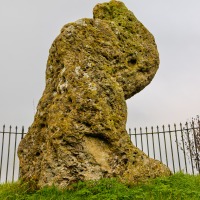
(129, 132)
(175, 126)
(192, 125)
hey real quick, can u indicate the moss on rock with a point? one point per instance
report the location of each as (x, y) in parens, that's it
(79, 130)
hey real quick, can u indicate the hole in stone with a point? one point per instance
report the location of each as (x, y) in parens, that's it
(21, 151)
(42, 125)
(105, 56)
(87, 124)
(130, 19)
(143, 69)
(101, 137)
(70, 99)
(125, 161)
(135, 153)
(37, 153)
(132, 61)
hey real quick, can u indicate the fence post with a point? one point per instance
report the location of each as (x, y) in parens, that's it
(165, 146)
(179, 163)
(141, 138)
(2, 145)
(183, 143)
(189, 142)
(154, 154)
(159, 143)
(8, 156)
(22, 136)
(129, 132)
(13, 174)
(195, 147)
(171, 148)
(147, 141)
(135, 137)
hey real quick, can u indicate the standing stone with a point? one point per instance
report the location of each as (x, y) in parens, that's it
(79, 130)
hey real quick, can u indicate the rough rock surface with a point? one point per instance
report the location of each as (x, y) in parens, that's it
(79, 130)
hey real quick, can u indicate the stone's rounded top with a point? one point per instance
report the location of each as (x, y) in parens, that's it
(138, 62)
(110, 10)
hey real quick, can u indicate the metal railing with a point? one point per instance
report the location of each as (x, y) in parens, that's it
(179, 148)
(9, 163)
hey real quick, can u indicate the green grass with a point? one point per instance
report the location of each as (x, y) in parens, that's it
(178, 186)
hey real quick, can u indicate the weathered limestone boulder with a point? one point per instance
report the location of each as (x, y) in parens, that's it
(79, 130)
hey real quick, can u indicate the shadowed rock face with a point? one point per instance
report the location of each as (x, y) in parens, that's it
(79, 129)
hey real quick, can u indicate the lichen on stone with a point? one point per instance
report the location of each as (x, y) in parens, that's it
(79, 130)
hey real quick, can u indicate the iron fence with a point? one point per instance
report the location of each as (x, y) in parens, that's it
(179, 148)
(9, 163)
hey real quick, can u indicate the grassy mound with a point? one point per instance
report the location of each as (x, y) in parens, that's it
(178, 186)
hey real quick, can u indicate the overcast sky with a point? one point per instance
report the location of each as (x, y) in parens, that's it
(28, 28)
